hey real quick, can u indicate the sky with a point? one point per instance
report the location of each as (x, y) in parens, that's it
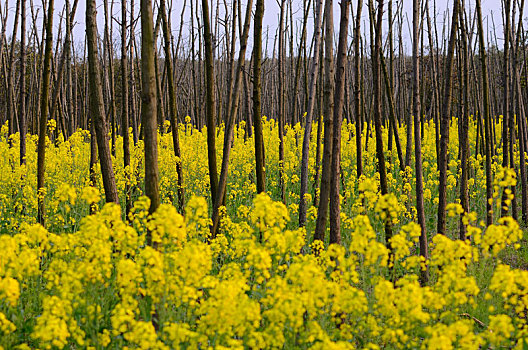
(491, 9)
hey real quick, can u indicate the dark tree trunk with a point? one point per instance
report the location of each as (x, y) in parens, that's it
(22, 126)
(309, 114)
(172, 106)
(443, 157)
(464, 124)
(43, 123)
(124, 103)
(96, 104)
(418, 138)
(485, 113)
(380, 155)
(335, 170)
(210, 102)
(148, 107)
(322, 210)
(257, 114)
(357, 88)
(230, 123)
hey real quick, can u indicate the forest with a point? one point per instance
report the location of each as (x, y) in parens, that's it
(194, 175)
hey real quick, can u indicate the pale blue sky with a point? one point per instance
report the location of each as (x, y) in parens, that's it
(491, 10)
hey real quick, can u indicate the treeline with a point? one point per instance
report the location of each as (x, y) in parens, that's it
(137, 73)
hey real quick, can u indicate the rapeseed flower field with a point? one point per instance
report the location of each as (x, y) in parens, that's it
(89, 280)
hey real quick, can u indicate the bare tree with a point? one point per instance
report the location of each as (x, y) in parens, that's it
(281, 82)
(445, 118)
(124, 102)
(230, 123)
(335, 205)
(380, 155)
(43, 123)
(172, 105)
(486, 114)
(210, 102)
(22, 127)
(96, 104)
(148, 107)
(507, 118)
(309, 113)
(257, 113)
(322, 210)
(357, 88)
(464, 123)
(418, 137)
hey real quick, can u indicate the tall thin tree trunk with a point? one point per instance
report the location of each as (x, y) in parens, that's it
(443, 157)
(302, 45)
(335, 170)
(260, 159)
(281, 79)
(418, 137)
(464, 125)
(43, 123)
(357, 88)
(11, 110)
(506, 122)
(22, 126)
(111, 89)
(96, 104)
(380, 155)
(485, 112)
(172, 106)
(322, 210)
(230, 123)
(210, 102)
(124, 104)
(309, 114)
(148, 107)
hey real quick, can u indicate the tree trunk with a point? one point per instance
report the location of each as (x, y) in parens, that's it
(124, 105)
(172, 106)
(506, 122)
(43, 123)
(148, 107)
(335, 170)
(357, 88)
(464, 125)
(418, 138)
(260, 159)
(443, 157)
(210, 102)
(281, 79)
(322, 210)
(96, 104)
(485, 112)
(230, 123)
(309, 114)
(377, 110)
(22, 126)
